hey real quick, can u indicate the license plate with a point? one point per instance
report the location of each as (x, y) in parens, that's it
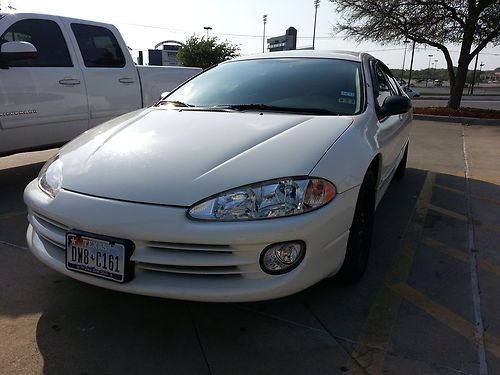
(102, 257)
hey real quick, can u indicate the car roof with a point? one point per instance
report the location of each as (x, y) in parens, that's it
(344, 55)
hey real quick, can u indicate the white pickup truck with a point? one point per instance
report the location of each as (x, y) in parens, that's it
(61, 76)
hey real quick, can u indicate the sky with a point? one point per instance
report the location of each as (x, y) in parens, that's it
(145, 23)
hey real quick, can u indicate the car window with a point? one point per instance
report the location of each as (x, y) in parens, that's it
(383, 87)
(98, 46)
(46, 36)
(393, 82)
(331, 85)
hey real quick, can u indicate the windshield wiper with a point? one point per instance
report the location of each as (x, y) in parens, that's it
(266, 107)
(177, 103)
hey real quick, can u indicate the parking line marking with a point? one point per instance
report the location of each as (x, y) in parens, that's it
(460, 192)
(377, 329)
(479, 334)
(447, 188)
(446, 212)
(455, 215)
(446, 317)
(460, 255)
(492, 227)
(10, 215)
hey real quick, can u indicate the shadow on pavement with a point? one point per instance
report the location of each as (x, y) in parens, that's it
(88, 330)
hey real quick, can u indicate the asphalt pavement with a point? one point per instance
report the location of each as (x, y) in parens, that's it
(433, 279)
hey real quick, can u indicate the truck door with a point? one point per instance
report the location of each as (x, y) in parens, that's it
(42, 100)
(111, 77)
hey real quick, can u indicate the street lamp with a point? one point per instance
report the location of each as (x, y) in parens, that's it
(406, 41)
(435, 68)
(207, 28)
(428, 70)
(316, 6)
(264, 19)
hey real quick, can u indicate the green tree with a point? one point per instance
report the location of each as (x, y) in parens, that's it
(472, 24)
(205, 52)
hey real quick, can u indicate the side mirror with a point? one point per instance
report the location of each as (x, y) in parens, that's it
(12, 51)
(164, 95)
(395, 105)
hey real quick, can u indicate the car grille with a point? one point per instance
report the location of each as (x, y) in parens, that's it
(192, 259)
(162, 257)
(49, 230)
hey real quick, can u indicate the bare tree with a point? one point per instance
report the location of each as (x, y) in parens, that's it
(472, 24)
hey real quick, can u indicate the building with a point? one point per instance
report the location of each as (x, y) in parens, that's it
(285, 42)
(167, 56)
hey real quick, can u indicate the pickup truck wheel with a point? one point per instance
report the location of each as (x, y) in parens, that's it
(400, 171)
(360, 235)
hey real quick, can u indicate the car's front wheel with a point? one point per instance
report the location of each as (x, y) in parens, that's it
(360, 235)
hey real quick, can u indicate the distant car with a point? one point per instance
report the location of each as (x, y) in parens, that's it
(438, 82)
(412, 93)
(252, 181)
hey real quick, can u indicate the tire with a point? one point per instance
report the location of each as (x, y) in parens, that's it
(401, 169)
(360, 235)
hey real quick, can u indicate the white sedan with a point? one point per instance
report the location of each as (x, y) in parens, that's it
(252, 181)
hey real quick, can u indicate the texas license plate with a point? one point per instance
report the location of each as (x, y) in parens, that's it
(101, 257)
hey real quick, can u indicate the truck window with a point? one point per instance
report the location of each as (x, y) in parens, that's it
(98, 46)
(46, 36)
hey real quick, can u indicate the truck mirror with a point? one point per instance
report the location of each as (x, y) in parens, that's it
(12, 51)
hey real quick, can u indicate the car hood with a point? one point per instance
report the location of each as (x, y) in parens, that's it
(174, 157)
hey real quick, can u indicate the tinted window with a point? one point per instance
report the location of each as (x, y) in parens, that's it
(48, 39)
(306, 83)
(98, 46)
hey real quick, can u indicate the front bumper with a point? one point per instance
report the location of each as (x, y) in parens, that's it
(176, 257)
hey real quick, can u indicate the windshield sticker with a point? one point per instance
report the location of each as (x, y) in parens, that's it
(347, 101)
(347, 93)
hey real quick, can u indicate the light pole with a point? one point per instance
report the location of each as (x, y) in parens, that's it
(428, 70)
(479, 78)
(316, 6)
(264, 19)
(406, 41)
(207, 28)
(474, 76)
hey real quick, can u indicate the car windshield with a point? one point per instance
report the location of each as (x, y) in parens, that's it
(312, 85)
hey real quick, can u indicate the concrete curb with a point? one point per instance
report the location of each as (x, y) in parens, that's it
(460, 120)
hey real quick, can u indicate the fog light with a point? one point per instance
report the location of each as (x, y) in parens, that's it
(282, 257)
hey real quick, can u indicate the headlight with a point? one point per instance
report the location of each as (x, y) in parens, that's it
(50, 177)
(270, 199)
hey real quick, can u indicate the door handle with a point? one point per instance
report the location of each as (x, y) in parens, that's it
(126, 80)
(69, 81)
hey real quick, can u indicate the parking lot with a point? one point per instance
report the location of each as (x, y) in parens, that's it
(433, 280)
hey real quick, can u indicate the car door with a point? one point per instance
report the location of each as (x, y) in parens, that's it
(111, 77)
(390, 128)
(42, 100)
